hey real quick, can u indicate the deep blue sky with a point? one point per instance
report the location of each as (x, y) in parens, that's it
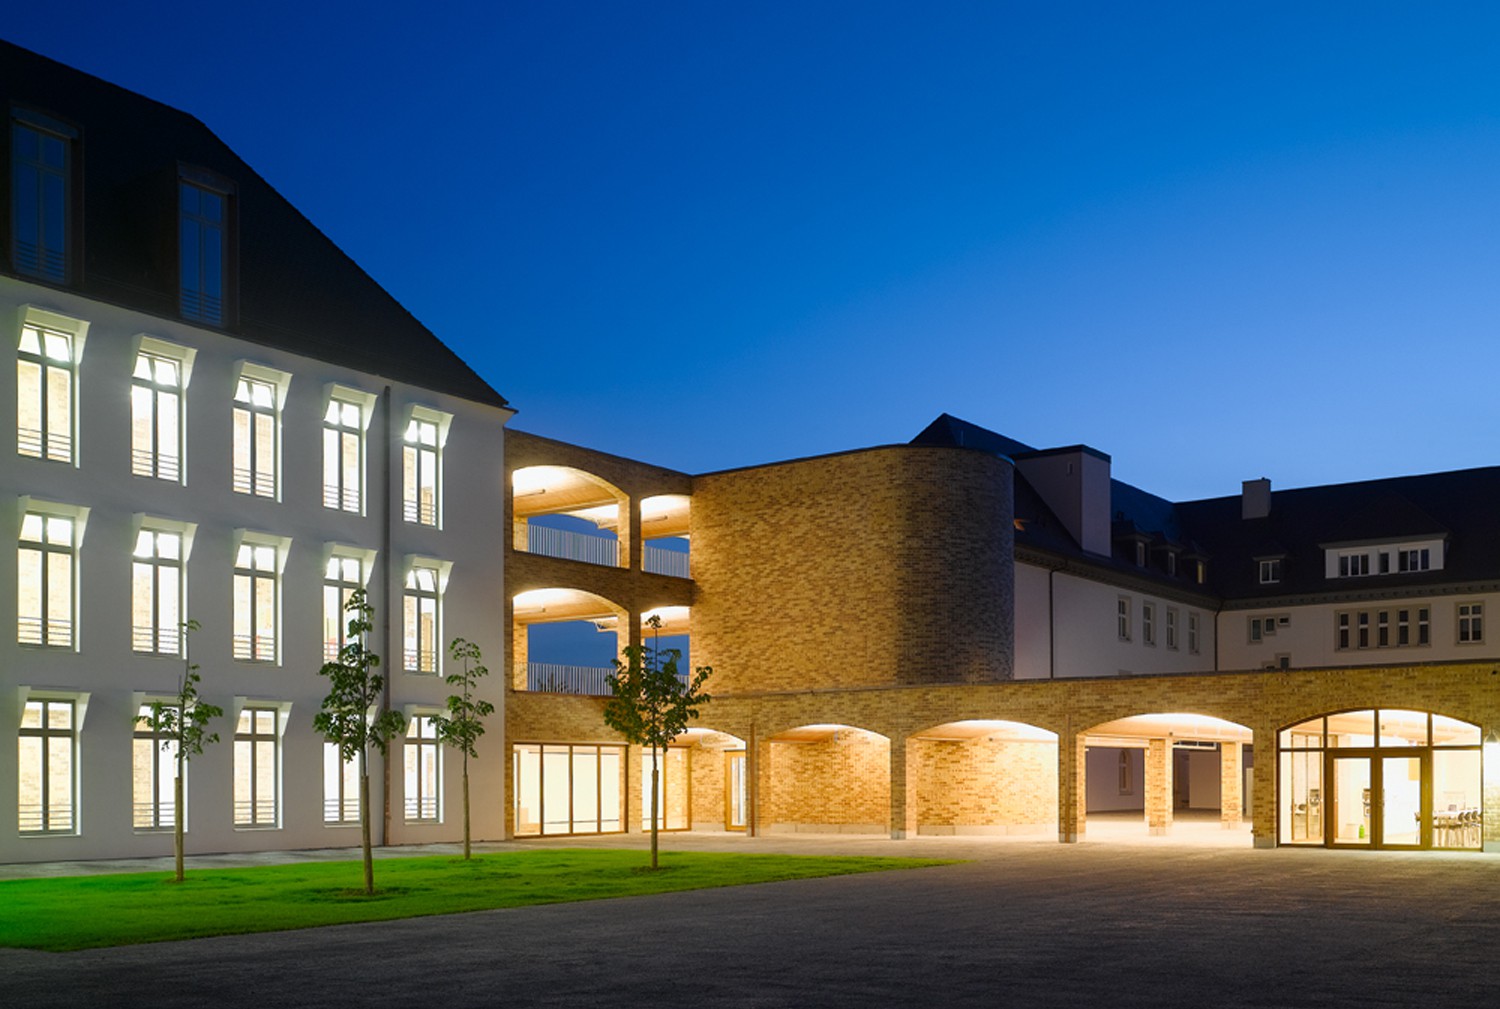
(1216, 241)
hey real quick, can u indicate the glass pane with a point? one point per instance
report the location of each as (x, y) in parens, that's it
(59, 714)
(1351, 800)
(31, 715)
(611, 792)
(1403, 728)
(29, 408)
(528, 775)
(675, 802)
(60, 782)
(1352, 728)
(585, 790)
(1457, 818)
(1401, 800)
(1451, 732)
(556, 790)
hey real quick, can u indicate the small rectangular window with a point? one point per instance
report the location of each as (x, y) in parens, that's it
(1122, 618)
(1382, 629)
(1270, 571)
(1192, 633)
(1403, 627)
(1424, 626)
(1148, 623)
(1470, 623)
(1171, 628)
(1363, 622)
(1343, 631)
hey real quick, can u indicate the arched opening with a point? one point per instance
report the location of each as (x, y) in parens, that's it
(1381, 778)
(564, 641)
(828, 778)
(666, 527)
(983, 777)
(702, 782)
(559, 511)
(1178, 773)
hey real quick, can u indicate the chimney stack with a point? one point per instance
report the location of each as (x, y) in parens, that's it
(1255, 499)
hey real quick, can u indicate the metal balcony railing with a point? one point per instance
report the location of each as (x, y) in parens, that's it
(661, 561)
(556, 678)
(571, 546)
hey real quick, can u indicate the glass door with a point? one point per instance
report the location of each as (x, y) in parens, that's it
(1400, 811)
(1350, 807)
(734, 790)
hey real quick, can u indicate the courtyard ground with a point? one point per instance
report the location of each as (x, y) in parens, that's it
(1116, 921)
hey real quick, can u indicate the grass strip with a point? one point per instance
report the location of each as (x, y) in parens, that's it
(85, 912)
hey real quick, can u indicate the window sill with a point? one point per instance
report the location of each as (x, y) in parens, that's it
(255, 827)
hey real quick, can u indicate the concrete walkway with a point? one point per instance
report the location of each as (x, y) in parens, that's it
(1026, 923)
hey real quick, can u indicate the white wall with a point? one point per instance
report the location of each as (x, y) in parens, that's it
(103, 664)
(1085, 641)
(1102, 780)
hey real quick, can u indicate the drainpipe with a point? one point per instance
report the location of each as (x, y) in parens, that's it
(390, 607)
(1052, 627)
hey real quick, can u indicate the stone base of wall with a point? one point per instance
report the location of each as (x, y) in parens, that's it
(828, 828)
(984, 830)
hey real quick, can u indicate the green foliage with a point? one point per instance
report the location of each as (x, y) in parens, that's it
(462, 726)
(351, 717)
(650, 704)
(183, 721)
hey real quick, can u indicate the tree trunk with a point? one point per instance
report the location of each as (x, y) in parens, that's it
(655, 814)
(364, 824)
(466, 807)
(177, 820)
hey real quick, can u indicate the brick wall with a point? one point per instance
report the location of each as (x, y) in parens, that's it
(983, 786)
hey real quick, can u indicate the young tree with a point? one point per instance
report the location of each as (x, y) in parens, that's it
(351, 717)
(182, 724)
(650, 705)
(462, 726)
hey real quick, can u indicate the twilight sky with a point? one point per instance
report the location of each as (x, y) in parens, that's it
(1217, 241)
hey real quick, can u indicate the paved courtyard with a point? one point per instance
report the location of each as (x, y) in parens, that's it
(1119, 922)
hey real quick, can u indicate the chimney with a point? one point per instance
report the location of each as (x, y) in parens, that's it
(1075, 484)
(1255, 499)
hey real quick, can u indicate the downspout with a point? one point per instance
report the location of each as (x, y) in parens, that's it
(1052, 627)
(390, 607)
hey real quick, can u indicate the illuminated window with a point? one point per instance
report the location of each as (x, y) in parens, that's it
(203, 252)
(1470, 623)
(45, 394)
(156, 416)
(340, 787)
(421, 617)
(257, 768)
(156, 592)
(419, 468)
(41, 200)
(256, 441)
(424, 771)
(45, 594)
(344, 455)
(154, 770)
(47, 802)
(257, 570)
(341, 577)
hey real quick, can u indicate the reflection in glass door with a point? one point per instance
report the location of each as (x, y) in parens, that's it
(1351, 800)
(1401, 802)
(734, 794)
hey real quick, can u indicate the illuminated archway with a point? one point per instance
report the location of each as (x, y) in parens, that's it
(983, 777)
(828, 778)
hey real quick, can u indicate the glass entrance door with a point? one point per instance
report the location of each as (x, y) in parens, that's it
(1352, 792)
(1400, 807)
(734, 790)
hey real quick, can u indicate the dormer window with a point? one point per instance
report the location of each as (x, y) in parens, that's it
(41, 175)
(1140, 554)
(1353, 561)
(1353, 565)
(203, 250)
(1270, 571)
(1414, 560)
(1171, 563)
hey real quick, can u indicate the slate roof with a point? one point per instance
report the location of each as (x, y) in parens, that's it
(1459, 507)
(296, 290)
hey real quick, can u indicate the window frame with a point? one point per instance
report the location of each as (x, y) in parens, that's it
(164, 640)
(77, 516)
(335, 619)
(1469, 629)
(1171, 628)
(415, 452)
(75, 331)
(1270, 570)
(427, 750)
(163, 772)
(194, 306)
(78, 706)
(338, 774)
(337, 431)
(70, 138)
(148, 463)
(249, 568)
(247, 466)
(1123, 618)
(1193, 630)
(252, 707)
(1148, 624)
(412, 659)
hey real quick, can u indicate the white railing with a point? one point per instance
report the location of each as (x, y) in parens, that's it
(571, 546)
(555, 678)
(661, 561)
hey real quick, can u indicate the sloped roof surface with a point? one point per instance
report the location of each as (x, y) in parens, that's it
(296, 289)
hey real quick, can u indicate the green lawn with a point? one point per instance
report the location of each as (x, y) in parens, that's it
(80, 912)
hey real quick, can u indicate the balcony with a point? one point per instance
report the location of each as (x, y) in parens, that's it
(662, 561)
(557, 678)
(572, 546)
